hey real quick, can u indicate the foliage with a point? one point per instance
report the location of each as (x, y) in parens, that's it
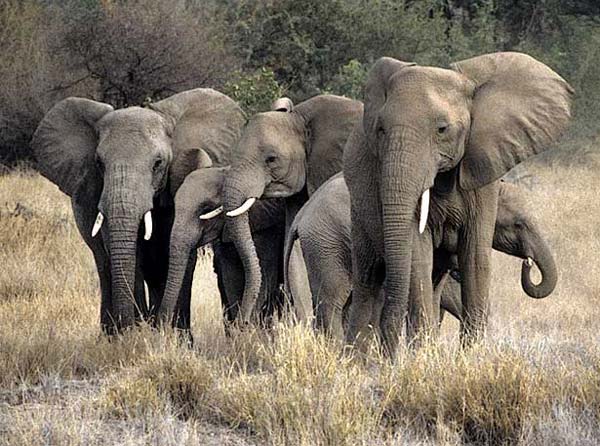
(350, 80)
(128, 52)
(255, 92)
(146, 49)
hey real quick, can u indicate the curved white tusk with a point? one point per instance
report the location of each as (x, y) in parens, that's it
(97, 224)
(212, 214)
(529, 262)
(243, 208)
(424, 211)
(148, 225)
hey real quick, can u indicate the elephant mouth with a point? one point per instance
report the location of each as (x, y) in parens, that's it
(147, 224)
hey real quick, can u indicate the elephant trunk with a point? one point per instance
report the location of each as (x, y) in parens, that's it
(237, 190)
(547, 266)
(399, 193)
(124, 208)
(180, 249)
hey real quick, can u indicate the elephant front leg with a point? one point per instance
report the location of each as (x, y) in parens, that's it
(368, 273)
(424, 304)
(474, 256)
(107, 321)
(84, 218)
(141, 304)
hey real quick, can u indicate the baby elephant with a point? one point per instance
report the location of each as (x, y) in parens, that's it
(322, 228)
(194, 227)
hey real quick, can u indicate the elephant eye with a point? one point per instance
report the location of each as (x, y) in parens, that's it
(442, 129)
(157, 164)
(271, 159)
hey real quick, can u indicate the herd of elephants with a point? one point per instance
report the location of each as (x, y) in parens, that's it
(376, 217)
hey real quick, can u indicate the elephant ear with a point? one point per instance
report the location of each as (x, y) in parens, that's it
(64, 143)
(202, 119)
(520, 106)
(283, 105)
(328, 121)
(376, 88)
(189, 161)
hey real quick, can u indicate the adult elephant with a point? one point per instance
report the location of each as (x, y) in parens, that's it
(193, 228)
(288, 152)
(448, 134)
(323, 229)
(116, 165)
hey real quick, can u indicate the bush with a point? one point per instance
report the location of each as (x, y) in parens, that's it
(33, 77)
(255, 91)
(143, 50)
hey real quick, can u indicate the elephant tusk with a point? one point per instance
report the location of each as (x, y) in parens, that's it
(243, 208)
(97, 224)
(148, 225)
(424, 211)
(529, 262)
(212, 214)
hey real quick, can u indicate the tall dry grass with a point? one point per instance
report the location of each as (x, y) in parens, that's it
(534, 380)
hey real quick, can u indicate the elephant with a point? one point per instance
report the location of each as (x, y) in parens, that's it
(122, 167)
(201, 190)
(426, 158)
(288, 153)
(322, 227)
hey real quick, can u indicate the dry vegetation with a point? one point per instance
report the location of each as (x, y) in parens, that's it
(535, 380)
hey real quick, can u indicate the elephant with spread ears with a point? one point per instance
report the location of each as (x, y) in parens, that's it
(121, 169)
(195, 227)
(322, 277)
(424, 162)
(287, 152)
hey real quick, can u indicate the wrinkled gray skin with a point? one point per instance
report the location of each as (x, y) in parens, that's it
(454, 132)
(124, 163)
(201, 191)
(288, 152)
(323, 229)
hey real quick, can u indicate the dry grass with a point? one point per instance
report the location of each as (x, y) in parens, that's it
(535, 379)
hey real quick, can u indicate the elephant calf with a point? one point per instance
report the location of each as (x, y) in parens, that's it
(194, 226)
(323, 227)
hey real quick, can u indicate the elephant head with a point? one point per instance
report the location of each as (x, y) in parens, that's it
(197, 224)
(116, 162)
(461, 128)
(516, 233)
(280, 153)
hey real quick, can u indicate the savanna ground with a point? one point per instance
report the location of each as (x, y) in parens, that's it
(535, 379)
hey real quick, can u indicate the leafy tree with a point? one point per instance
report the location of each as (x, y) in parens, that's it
(255, 92)
(146, 49)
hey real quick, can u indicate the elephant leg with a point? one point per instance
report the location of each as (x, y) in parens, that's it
(368, 272)
(155, 258)
(269, 248)
(450, 299)
(182, 314)
(183, 307)
(474, 256)
(330, 287)
(230, 279)
(141, 303)
(298, 285)
(423, 313)
(103, 267)
(84, 220)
